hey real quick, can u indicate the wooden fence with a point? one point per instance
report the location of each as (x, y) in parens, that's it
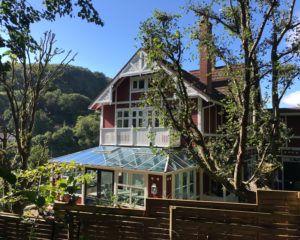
(276, 215)
(13, 227)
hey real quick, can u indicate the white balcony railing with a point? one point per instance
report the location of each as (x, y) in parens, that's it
(160, 137)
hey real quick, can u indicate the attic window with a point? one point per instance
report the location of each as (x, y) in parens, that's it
(138, 85)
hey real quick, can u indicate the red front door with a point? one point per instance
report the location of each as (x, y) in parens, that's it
(155, 186)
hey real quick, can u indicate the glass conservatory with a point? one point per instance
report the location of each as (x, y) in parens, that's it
(128, 175)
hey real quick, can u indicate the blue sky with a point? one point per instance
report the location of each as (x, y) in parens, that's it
(106, 49)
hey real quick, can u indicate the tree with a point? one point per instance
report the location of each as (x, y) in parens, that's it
(19, 48)
(62, 141)
(42, 123)
(72, 105)
(247, 65)
(87, 130)
(49, 102)
(23, 92)
(81, 80)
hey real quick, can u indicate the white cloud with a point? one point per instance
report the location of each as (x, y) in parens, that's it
(292, 99)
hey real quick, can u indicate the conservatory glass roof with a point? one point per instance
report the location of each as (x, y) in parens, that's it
(146, 159)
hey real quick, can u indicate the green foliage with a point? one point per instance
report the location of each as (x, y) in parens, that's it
(70, 95)
(87, 130)
(3, 103)
(62, 141)
(40, 189)
(7, 175)
(18, 15)
(80, 80)
(24, 77)
(39, 155)
(72, 105)
(42, 123)
(49, 102)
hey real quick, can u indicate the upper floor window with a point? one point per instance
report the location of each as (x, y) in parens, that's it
(138, 118)
(138, 85)
(123, 118)
(153, 119)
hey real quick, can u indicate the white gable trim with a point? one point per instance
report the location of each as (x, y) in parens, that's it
(137, 65)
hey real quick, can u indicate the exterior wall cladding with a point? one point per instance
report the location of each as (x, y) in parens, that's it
(212, 114)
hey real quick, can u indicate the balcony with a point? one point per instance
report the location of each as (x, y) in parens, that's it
(137, 137)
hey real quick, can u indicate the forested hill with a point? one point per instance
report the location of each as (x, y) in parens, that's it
(63, 122)
(81, 80)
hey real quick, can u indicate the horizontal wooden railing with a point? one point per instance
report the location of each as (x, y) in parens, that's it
(137, 137)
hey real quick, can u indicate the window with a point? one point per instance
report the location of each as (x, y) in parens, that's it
(73, 174)
(122, 118)
(138, 180)
(177, 186)
(100, 189)
(91, 188)
(192, 183)
(153, 119)
(131, 189)
(137, 118)
(156, 120)
(138, 85)
(185, 185)
(150, 122)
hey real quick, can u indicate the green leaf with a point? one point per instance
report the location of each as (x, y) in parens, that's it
(63, 185)
(70, 179)
(30, 195)
(71, 189)
(7, 53)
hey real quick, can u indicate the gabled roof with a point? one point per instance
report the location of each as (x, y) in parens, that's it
(137, 65)
(194, 81)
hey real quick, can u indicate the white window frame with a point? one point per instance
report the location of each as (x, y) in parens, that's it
(138, 118)
(189, 194)
(122, 118)
(138, 79)
(130, 185)
(144, 118)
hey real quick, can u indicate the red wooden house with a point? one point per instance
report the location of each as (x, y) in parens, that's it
(128, 168)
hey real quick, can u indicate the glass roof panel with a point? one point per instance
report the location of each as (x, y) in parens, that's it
(142, 158)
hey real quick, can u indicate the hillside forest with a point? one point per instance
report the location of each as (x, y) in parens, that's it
(63, 122)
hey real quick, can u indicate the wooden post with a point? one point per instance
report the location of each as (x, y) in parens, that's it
(70, 221)
(53, 230)
(171, 222)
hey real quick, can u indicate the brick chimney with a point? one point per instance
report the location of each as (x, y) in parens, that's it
(206, 63)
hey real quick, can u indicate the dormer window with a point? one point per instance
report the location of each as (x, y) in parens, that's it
(138, 85)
